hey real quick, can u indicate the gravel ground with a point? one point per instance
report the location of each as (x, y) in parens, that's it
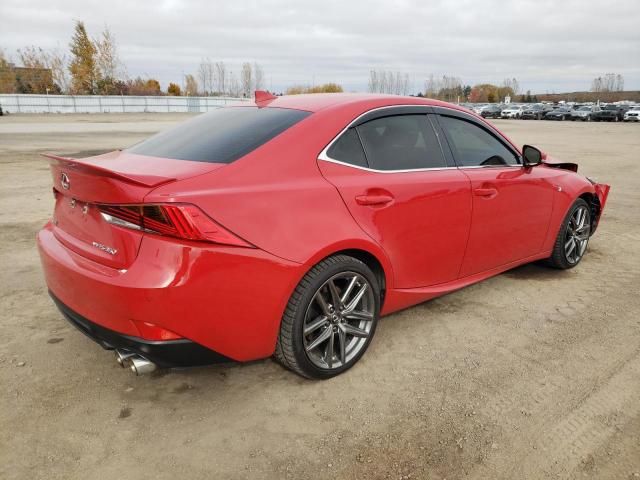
(533, 374)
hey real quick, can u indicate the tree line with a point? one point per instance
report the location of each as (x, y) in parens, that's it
(92, 66)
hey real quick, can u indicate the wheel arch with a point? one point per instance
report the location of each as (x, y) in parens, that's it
(371, 255)
(594, 208)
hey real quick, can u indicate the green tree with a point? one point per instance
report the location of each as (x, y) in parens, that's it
(174, 89)
(84, 74)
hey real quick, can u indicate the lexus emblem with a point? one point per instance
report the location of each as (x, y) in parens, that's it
(64, 181)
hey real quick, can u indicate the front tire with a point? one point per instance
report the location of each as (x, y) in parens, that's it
(573, 237)
(330, 319)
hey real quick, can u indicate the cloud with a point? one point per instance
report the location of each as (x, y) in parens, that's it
(547, 45)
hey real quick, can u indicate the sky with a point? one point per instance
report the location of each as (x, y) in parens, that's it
(549, 46)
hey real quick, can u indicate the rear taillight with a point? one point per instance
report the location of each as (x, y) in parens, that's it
(180, 220)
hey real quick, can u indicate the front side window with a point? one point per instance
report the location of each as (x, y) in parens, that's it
(473, 146)
(401, 142)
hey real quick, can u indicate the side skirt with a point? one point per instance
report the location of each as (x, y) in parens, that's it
(400, 298)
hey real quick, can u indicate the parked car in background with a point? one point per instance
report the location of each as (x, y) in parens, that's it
(479, 108)
(491, 111)
(610, 113)
(632, 115)
(535, 112)
(562, 113)
(512, 111)
(585, 113)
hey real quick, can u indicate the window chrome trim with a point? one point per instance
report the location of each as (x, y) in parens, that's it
(326, 158)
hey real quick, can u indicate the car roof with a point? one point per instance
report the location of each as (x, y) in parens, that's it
(317, 101)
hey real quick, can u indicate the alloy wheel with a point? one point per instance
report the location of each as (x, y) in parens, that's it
(577, 235)
(338, 321)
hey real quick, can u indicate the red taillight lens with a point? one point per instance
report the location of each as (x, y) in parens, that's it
(180, 220)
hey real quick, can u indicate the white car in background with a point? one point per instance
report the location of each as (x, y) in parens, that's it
(512, 111)
(633, 114)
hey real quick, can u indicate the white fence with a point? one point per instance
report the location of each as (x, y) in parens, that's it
(110, 104)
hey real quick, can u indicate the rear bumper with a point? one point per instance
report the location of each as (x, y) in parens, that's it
(228, 300)
(169, 353)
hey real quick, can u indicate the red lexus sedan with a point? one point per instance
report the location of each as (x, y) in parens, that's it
(289, 226)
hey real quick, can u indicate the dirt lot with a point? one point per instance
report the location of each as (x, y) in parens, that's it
(532, 374)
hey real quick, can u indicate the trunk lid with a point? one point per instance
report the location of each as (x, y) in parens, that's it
(80, 185)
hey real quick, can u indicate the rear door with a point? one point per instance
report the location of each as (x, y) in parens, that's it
(402, 190)
(511, 204)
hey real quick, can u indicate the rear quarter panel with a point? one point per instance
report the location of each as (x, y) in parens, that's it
(276, 198)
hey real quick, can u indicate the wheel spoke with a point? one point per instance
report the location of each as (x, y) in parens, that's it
(583, 218)
(583, 247)
(342, 339)
(354, 302)
(321, 338)
(316, 324)
(349, 289)
(359, 315)
(583, 237)
(572, 246)
(322, 302)
(335, 295)
(329, 351)
(354, 331)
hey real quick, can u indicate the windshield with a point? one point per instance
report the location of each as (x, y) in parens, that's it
(584, 109)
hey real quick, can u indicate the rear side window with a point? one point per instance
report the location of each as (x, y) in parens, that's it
(221, 136)
(472, 146)
(402, 142)
(348, 149)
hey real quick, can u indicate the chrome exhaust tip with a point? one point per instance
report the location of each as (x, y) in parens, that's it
(140, 365)
(122, 357)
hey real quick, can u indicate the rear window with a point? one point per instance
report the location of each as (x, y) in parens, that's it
(221, 136)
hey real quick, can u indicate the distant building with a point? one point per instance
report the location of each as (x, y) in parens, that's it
(26, 80)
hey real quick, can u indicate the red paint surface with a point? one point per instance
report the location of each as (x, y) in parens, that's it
(432, 231)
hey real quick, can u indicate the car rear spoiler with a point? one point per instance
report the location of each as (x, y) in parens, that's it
(82, 165)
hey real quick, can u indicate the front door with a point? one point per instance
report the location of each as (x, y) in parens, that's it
(511, 203)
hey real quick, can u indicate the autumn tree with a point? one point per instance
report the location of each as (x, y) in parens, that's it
(324, 88)
(141, 86)
(108, 64)
(190, 85)
(83, 69)
(174, 89)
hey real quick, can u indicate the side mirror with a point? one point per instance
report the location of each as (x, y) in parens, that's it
(531, 156)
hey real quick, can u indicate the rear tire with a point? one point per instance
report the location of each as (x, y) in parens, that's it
(330, 319)
(573, 237)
